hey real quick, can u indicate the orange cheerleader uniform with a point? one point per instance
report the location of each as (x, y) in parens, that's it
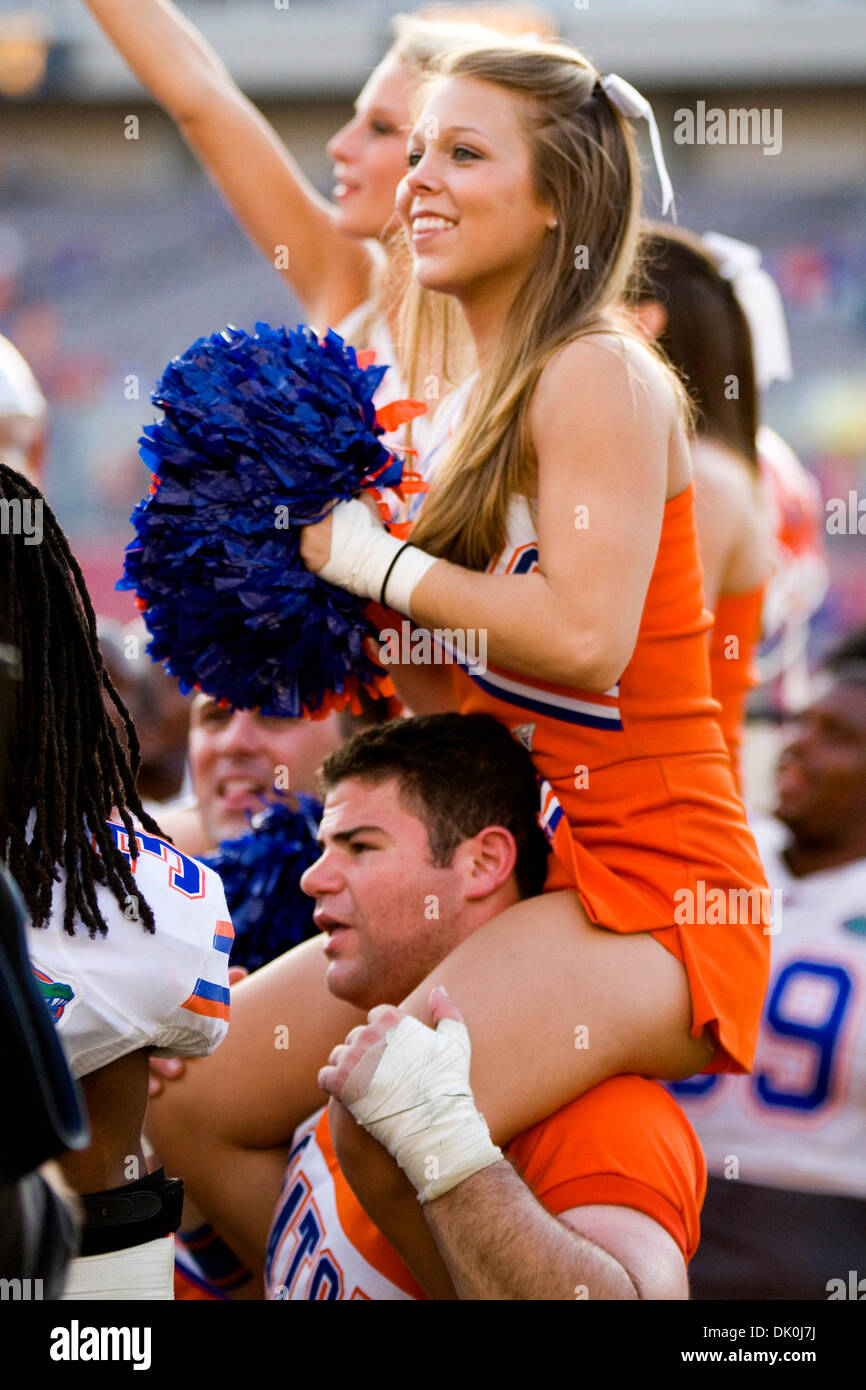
(638, 796)
(735, 637)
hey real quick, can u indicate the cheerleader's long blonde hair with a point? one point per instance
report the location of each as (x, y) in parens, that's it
(584, 164)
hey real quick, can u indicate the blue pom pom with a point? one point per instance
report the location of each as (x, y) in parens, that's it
(260, 873)
(259, 433)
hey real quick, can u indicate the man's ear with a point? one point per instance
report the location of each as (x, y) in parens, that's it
(489, 860)
(651, 318)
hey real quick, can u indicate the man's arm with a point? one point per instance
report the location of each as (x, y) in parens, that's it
(500, 1243)
(495, 1238)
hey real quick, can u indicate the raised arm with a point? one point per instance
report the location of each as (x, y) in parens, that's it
(422, 685)
(271, 197)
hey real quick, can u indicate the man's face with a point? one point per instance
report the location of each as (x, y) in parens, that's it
(822, 771)
(389, 913)
(237, 756)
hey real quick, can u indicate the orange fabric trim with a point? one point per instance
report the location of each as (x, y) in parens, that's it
(625, 1141)
(186, 1291)
(396, 413)
(208, 1008)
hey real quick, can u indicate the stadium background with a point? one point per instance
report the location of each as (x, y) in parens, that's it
(116, 253)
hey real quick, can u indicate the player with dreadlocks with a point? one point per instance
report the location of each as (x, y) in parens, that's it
(129, 938)
(67, 763)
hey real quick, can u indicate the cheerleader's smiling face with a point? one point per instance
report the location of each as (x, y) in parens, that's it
(468, 201)
(369, 152)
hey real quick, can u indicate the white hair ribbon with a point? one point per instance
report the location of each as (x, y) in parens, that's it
(761, 303)
(629, 102)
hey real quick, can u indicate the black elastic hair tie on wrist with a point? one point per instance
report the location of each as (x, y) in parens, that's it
(388, 572)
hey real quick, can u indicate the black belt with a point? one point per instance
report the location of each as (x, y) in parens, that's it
(131, 1215)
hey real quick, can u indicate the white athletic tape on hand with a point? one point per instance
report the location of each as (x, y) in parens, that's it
(143, 1272)
(362, 552)
(419, 1105)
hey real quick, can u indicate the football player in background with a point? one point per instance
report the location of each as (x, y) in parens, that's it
(785, 1215)
(129, 938)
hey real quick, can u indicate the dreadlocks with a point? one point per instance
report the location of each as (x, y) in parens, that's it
(66, 765)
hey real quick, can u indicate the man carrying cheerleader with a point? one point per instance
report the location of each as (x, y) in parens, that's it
(417, 854)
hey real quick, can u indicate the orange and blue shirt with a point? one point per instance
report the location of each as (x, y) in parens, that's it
(623, 1143)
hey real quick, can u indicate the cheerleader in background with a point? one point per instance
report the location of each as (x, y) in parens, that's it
(718, 318)
(345, 264)
(683, 302)
(800, 577)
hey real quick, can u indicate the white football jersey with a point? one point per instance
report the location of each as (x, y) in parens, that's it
(311, 1250)
(131, 989)
(798, 1121)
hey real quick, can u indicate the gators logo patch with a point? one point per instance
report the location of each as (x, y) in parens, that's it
(524, 733)
(58, 995)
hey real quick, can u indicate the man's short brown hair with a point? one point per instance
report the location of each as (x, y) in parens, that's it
(458, 773)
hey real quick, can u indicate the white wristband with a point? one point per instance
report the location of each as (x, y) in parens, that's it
(362, 553)
(410, 568)
(419, 1105)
